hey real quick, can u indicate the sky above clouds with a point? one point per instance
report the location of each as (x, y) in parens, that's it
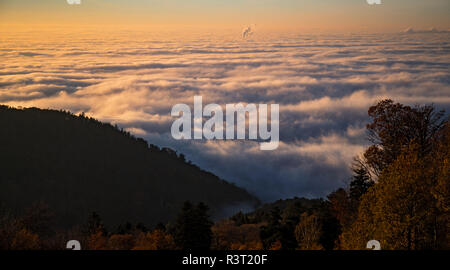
(308, 15)
(324, 84)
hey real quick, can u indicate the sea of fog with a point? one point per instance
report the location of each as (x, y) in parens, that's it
(324, 84)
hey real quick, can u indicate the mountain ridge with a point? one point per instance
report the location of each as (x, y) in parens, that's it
(78, 165)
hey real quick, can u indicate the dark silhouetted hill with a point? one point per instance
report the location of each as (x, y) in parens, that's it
(77, 165)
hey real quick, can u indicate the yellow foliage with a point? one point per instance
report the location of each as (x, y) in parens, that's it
(308, 232)
(400, 210)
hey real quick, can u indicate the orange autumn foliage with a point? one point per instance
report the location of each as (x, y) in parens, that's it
(156, 240)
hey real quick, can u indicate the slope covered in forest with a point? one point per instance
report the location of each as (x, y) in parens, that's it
(77, 165)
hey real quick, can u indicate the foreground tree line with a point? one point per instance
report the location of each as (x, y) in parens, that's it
(398, 195)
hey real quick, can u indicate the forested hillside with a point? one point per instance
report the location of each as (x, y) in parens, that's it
(77, 165)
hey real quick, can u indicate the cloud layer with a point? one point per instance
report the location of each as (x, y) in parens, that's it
(323, 83)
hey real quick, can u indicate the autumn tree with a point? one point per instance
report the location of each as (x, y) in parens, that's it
(394, 126)
(403, 209)
(340, 207)
(343, 203)
(440, 190)
(121, 242)
(96, 233)
(97, 241)
(308, 232)
(155, 240)
(400, 210)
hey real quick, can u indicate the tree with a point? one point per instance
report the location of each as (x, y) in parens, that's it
(290, 218)
(240, 218)
(400, 210)
(394, 126)
(95, 225)
(25, 240)
(156, 240)
(340, 207)
(272, 232)
(193, 227)
(308, 232)
(441, 190)
(228, 235)
(404, 209)
(126, 228)
(120, 242)
(97, 241)
(9, 225)
(37, 219)
(360, 183)
(343, 205)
